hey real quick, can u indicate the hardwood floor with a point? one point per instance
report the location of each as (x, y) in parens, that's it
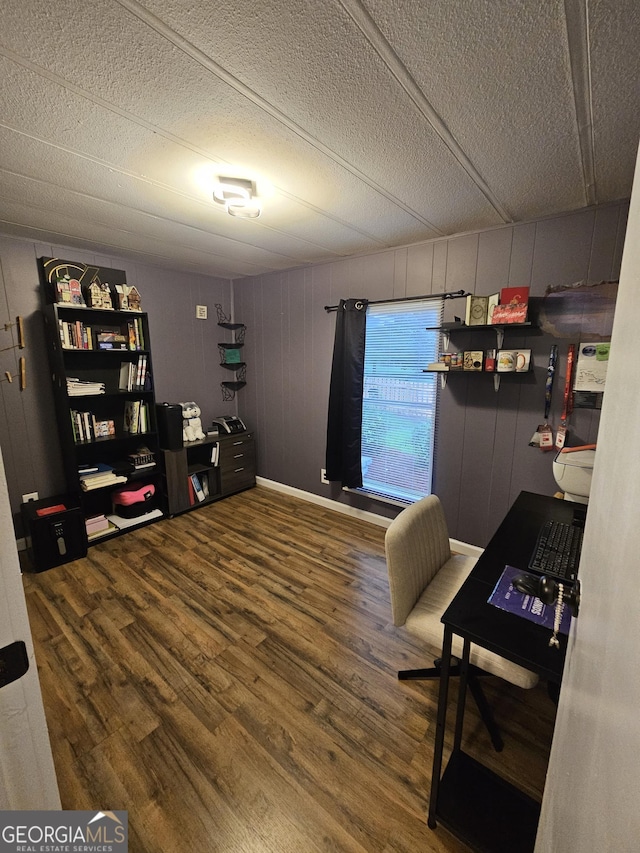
(229, 678)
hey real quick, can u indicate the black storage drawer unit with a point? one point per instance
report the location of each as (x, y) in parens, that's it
(237, 463)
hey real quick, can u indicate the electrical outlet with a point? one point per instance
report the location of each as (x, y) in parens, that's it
(323, 476)
(201, 312)
(30, 496)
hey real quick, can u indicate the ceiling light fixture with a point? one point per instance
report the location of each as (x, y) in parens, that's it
(238, 197)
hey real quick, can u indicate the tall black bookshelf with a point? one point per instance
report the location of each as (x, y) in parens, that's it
(102, 376)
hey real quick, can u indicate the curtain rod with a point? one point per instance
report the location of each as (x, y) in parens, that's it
(455, 294)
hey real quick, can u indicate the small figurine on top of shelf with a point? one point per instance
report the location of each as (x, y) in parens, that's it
(99, 296)
(191, 423)
(122, 301)
(68, 291)
(134, 298)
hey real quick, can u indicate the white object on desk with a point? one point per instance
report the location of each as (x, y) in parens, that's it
(572, 470)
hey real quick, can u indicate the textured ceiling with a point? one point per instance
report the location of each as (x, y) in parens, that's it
(375, 123)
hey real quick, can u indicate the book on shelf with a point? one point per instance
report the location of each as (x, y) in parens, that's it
(192, 494)
(98, 534)
(476, 310)
(197, 487)
(506, 597)
(135, 334)
(493, 300)
(96, 523)
(215, 453)
(91, 471)
(141, 371)
(125, 382)
(472, 360)
(513, 306)
(136, 417)
(438, 365)
(103, 429)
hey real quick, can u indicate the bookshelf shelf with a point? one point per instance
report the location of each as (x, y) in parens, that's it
(108, 353)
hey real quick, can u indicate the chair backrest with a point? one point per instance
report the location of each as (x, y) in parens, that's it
(416, 547)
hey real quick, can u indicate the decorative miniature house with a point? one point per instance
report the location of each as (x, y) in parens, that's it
(134, 298)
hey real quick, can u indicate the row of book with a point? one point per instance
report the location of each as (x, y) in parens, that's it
(198, 487)
(133, 376)
(75, 334)
(510, 305)
(136, 417)
(86, 427)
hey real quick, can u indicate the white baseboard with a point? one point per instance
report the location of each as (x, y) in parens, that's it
(371, 517)
(327, 503)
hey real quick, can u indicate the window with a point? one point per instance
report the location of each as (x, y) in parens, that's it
(399, 399)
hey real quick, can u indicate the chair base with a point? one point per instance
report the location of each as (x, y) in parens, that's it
(474, 686)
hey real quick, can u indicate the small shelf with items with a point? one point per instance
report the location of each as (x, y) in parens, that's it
(498, 362)
(231, 355)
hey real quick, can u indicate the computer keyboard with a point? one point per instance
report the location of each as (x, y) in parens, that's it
(557, 551)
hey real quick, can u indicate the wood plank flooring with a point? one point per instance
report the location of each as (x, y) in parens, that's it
(229, 678)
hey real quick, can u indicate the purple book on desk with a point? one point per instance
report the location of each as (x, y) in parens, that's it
(506, 597)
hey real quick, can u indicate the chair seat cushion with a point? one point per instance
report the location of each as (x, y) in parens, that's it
(424, 622)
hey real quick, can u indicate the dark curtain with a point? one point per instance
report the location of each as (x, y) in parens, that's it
(344, 425)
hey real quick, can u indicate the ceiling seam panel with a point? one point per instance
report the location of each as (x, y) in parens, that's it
(106, 248)
(365, 23)
(130, 174)
(149, 237)
(577, 23)
(213, 67)
(176, 140)
(142, 213)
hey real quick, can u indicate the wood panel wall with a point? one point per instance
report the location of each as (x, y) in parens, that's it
(483, 459)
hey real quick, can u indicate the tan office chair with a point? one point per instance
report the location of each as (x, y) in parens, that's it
(424, 577)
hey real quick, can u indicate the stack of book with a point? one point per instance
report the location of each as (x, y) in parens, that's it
(81, 388)
(112, 340)
(98, 476)
(98, 526)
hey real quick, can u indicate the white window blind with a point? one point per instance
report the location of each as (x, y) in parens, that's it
(399, 399)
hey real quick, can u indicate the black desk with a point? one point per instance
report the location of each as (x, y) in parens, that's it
(474, 803)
